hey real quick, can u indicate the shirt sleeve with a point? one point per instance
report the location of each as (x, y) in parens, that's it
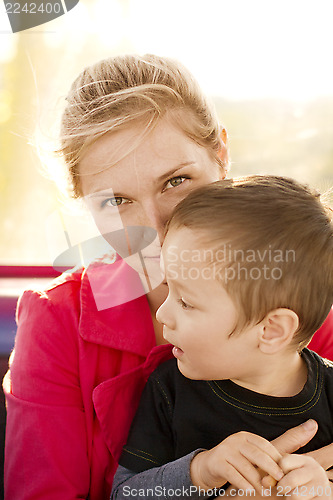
(172, 480)
(150, 442)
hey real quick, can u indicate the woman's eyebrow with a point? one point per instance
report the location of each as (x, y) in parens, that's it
(171, 172)
(97, 192)
(101, 193)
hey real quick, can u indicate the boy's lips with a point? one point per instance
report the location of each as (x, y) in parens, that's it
(177, 352)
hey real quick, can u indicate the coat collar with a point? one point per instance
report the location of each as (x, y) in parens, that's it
(108, 315)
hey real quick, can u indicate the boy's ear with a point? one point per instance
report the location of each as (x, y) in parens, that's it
(277, 330)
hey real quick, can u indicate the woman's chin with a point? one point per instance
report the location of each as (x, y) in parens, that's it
(148, 270)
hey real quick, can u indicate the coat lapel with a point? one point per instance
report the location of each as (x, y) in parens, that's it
(116, 400)
(127, 326)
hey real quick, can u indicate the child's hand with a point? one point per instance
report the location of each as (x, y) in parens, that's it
(234, 460)
(304, 478)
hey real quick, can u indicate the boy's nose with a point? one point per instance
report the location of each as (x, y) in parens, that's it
(164, 317)
(159, 314)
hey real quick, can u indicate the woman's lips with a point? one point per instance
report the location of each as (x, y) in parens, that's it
(177, 352)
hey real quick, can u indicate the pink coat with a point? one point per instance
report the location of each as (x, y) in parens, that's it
(74, 385)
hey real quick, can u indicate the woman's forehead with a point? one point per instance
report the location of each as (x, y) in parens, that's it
(115, 145)
(126, 153)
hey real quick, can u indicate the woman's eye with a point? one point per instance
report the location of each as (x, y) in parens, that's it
(175, 181)
(114, 202)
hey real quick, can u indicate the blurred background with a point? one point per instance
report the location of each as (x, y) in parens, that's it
(266, 64)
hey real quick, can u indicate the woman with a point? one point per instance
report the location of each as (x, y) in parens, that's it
(137, 135)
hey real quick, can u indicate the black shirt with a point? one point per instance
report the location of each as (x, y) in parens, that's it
(177, 415)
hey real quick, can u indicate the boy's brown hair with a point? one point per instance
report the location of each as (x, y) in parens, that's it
(271, 221)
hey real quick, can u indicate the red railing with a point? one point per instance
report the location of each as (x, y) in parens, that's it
(28, 272)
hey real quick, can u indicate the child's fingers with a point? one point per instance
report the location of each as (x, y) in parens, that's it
(268, 482)
(295, 478)
(291, 462)
(295, 438)
(236, 478)
(263, 461)
(264, 445)
(246, 469)
(261, 455)
(303, 474)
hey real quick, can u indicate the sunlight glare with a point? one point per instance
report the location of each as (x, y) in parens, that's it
(243, 49)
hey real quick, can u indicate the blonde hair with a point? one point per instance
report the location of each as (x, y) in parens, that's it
(267, 221)
(124, 90)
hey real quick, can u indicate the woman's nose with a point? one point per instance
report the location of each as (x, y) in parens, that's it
(152, 216)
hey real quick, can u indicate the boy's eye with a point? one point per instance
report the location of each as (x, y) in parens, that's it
(175, 181)
(183, 304)
(114, 202)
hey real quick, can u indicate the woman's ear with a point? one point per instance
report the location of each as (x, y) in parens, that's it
(277, 330)
(223, 152)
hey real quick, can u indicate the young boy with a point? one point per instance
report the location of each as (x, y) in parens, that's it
(249, 264)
